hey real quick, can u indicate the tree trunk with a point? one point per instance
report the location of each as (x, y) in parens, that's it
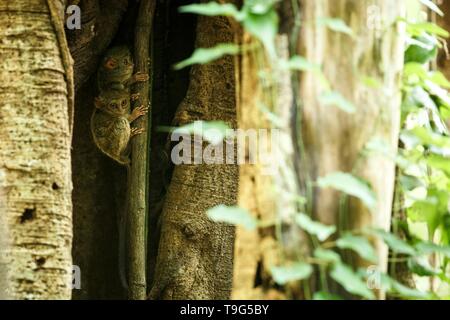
(266, 187)
(35, 150)
(195, 254)
(335, 139)
(444, 55)
(4, 242)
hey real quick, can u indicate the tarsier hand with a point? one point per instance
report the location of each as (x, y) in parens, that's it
(135, 96)
(138, 112)
(140, 77)
(136, 131)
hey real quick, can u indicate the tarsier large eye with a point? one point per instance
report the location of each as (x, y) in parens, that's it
(124, 103)
(110, 63)
(113, 105)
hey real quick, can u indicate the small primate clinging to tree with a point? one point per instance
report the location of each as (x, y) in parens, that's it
(111, 121)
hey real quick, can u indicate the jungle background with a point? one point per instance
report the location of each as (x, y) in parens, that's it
(357, 206)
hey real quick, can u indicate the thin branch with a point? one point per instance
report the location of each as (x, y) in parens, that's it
(139, 162)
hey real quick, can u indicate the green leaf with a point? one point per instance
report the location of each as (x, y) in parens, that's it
(414, 69)
(381, 147)
(259, 6)
(323, 295)
(358, 244)
(427, 137)
(394, 286)
(407, 292)
(351, 281)
(294, 272)
(315, 228)
(232, 215)
(212, 131)
(264, 28)
(439, 162)
(422, 50)
(350, 185)
(213, 9)
(431, 210)
(409, 183)
(333, 98)
(206, 55)
(429, 248)
(418, 29)
(299, 63)
(432, 6)
(439, 79)
(421, 267)
(425, 98)
(395, 243)
(422, 210)
(438, 92)
(328, 256)
(371, 82)
(337, 25)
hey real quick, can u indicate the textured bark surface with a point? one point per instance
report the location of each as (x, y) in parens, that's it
(265, 188)
(173, 41)
(139, 175)
(100, 21)
(195, 254)
(399, 270)
(4, 241)
(254, 188)
(444, 22)
(335, 139)
(35, 153)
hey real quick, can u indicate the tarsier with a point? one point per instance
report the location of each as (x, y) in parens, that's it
(112, 117)
(110, 123)
(116, 70)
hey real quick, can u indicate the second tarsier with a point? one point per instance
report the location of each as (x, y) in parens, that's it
(112, 116)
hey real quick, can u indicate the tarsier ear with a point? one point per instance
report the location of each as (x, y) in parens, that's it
(98, 102)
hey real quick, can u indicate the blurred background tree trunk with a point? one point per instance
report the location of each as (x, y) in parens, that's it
(334, 140)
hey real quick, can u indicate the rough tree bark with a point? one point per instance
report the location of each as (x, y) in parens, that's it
(99, 23)
(173, 41)
(335, 139)
(139, 175)
(266, 187)
(5, 243)
(195, 255)
(443, 59)
(35, 150)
